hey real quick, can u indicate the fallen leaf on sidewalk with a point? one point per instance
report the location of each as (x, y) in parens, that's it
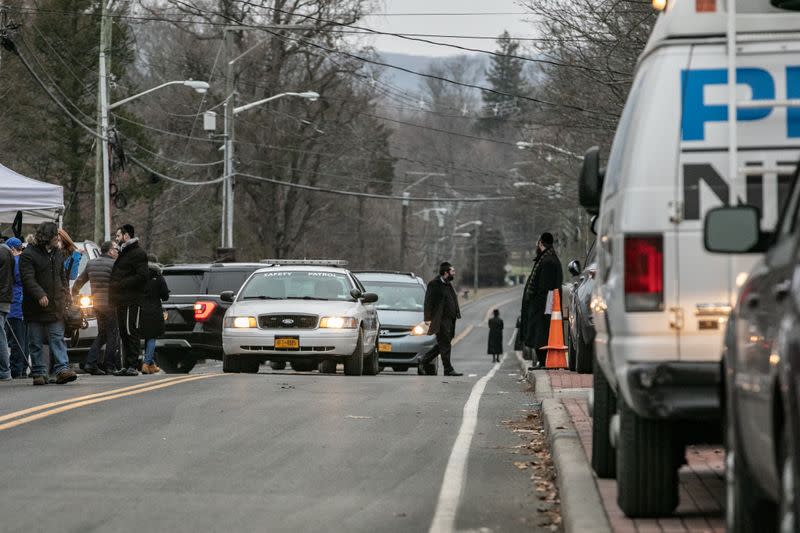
(521, 465)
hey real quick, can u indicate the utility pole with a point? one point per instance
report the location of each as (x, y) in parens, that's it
(404, 212)
(101, 202)
(230, 105)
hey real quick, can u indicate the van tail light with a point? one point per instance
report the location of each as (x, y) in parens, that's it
(203, 310)
(644, 272)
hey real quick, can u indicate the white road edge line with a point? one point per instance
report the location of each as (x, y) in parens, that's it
(453, 483)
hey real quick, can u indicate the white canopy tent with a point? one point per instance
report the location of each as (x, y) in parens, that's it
(38, 201)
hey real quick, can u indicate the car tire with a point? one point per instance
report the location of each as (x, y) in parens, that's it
(571, 354)
(584, 354)
(303, 366)
(327, 367)
(277, 365)
(747, 508)
(647, 465)
(399, 368)
(231, 363)
(604, 458)
(371, 366)
(787, 510)
(250, 366)
(354, 363)
(173, 362)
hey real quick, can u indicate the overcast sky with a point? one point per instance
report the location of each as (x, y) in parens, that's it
(475, 25)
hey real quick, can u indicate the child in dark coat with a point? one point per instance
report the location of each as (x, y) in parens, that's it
(495, 336)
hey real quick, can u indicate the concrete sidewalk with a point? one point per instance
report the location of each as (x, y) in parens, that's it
(589, 504)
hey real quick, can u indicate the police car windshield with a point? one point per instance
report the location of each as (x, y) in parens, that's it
(397, 296)
(298, 285)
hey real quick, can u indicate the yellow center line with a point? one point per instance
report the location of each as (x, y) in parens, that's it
(79, 398)
(169, 382)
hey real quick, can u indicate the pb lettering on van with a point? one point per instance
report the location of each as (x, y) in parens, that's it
(696, 113)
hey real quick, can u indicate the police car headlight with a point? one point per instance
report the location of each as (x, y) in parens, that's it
(338, 322)
(85, 301)
(240, 322)
(420, 329)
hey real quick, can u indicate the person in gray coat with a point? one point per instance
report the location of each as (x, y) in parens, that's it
(98, 274)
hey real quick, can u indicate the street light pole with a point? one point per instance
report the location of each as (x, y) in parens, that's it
(404, 211)
(229, 167)
(105, 107)
(100, 184)
(230, 103)
(475, 262)
(104, 147)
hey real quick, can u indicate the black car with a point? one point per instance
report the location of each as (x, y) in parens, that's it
(581, 332)
(760, 374)
(194, 312)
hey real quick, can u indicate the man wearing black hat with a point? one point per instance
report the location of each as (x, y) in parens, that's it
(441, 313)
(545, 276)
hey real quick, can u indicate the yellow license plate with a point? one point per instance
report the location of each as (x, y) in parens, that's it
(384, 347)
(287, 343)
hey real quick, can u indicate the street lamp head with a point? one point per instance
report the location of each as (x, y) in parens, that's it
(199, 86)
(522, 145)
(311, 95)
(519, 184)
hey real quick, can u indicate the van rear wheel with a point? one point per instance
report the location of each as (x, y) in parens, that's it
(604, 459)
(175, 362)
(647, 465)
(277, 365)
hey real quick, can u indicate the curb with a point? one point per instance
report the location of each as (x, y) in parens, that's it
(582, 509)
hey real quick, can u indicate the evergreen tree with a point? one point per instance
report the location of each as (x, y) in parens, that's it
(505, 75)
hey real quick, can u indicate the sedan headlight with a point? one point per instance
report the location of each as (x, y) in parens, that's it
(85, 301)
(338, 322)
(240, 322)
(420, 329)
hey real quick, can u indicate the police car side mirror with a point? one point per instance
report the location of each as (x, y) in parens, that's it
(355, 293)
(369, 297)
(590, 181)
(227, 296)
(574, 267)
(733, 230)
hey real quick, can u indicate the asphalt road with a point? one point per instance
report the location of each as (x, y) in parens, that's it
(275, 451)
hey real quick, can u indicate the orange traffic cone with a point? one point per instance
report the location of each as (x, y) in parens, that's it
(556, 351)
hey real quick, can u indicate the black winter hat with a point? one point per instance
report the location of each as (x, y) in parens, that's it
(546, 239)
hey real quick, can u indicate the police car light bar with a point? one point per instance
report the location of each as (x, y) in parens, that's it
(315, 262)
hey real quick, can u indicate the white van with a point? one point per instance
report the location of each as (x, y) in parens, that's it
(661, 300)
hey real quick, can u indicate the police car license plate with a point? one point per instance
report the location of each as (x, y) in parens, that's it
(384, 347)
(287, 342)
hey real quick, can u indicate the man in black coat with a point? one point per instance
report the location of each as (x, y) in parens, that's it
(545, 276)
(45, 294)
(441, 313)
(126, 292)
(98, 274)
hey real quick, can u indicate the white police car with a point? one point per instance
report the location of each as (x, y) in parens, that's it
(306, 312)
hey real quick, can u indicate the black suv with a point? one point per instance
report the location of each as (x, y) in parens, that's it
(194, 311)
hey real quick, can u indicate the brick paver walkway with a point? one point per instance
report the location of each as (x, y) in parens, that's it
(564, 379)
(702, 488)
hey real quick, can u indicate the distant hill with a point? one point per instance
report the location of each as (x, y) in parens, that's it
(411, 82)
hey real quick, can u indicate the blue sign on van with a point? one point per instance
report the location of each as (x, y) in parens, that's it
(696, 113)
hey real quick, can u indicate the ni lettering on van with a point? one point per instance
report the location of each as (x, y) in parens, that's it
(768, 139)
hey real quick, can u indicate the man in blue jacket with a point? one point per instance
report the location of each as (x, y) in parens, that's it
(16, 332)
(6, 297)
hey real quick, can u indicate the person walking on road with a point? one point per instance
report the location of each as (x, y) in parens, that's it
(45, 294)
(98, 274)
(126, 292)
(441, 313)
(6, 299)
(546, 276)
(495, 336)
(16, 331)
(152, 325)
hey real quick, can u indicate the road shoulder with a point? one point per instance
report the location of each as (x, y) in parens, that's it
(581, 506)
